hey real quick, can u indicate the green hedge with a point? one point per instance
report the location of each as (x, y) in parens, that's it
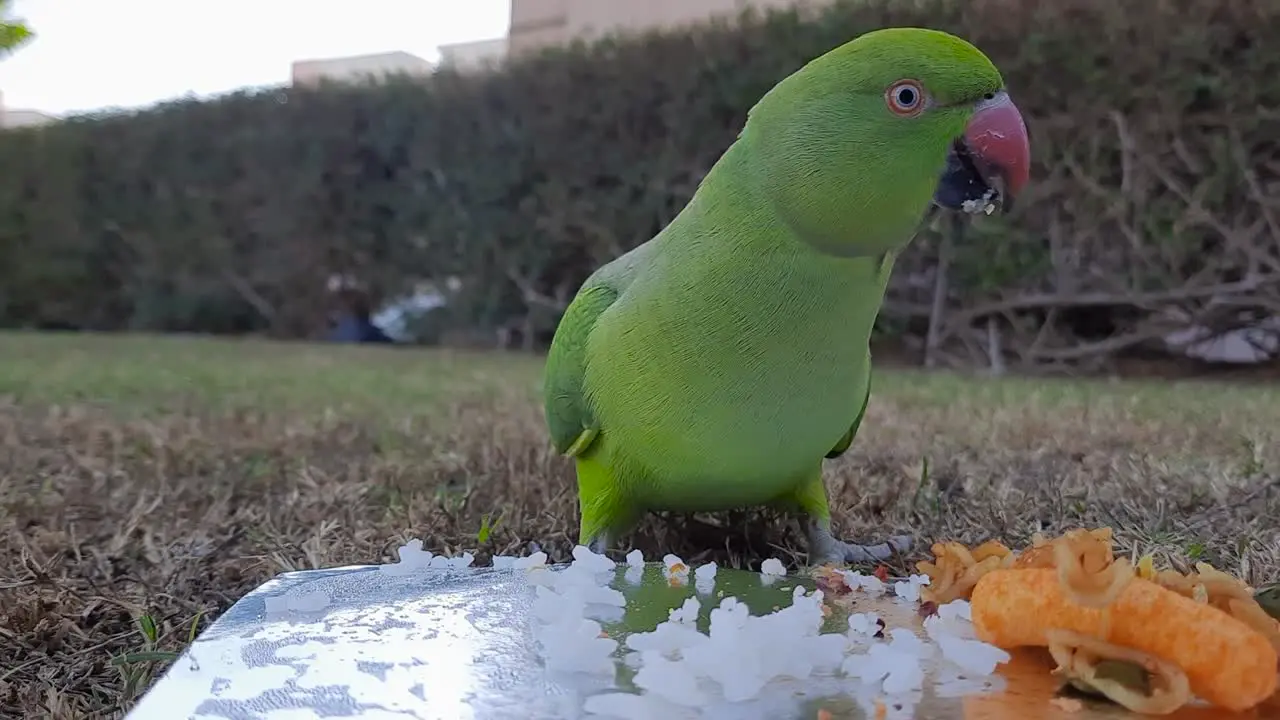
(1155, 128)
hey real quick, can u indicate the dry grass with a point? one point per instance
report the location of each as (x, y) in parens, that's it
(146, 484)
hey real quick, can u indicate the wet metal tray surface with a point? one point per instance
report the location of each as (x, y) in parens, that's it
(458, 644)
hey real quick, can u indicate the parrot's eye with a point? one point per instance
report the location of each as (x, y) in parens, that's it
(905, 98)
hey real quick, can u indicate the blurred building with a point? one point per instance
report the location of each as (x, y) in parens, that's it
(542, 23)
(473, 55)
(539, 23)
(25, 118)
(18, 117)
(357, 68)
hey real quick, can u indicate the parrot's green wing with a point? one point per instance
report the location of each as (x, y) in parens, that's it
(569, 418)
(847, 440)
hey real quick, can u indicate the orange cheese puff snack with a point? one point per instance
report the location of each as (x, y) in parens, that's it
(1251, 613)
(1227, 663)
(1227, 593)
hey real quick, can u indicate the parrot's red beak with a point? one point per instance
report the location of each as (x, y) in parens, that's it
(999, 146)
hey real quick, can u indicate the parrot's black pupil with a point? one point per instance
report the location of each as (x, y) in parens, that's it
(906, 96)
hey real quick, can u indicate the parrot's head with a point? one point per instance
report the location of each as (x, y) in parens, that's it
(852, 149)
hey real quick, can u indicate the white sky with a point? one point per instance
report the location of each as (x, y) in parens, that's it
(90, 54)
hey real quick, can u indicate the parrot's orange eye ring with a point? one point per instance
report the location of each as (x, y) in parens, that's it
(905, 98)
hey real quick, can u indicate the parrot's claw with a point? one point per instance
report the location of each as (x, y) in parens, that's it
(825, 548)
(854, 553)
(599, 544)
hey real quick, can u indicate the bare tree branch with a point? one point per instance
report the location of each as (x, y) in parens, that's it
(995, 353)
(1040, 301)
(249, 295)
(532, 296)
(937, 310)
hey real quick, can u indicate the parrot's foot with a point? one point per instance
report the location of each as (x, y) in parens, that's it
(825, 548)
(599, 543)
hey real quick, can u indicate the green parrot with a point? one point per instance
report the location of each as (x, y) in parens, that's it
(716, 365)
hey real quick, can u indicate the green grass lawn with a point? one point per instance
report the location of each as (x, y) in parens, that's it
(148, 482)
(160, 373)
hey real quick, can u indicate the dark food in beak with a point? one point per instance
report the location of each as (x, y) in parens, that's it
(963, 187)
(990, 164)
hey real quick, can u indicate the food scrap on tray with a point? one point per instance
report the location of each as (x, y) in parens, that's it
(1150, 640)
